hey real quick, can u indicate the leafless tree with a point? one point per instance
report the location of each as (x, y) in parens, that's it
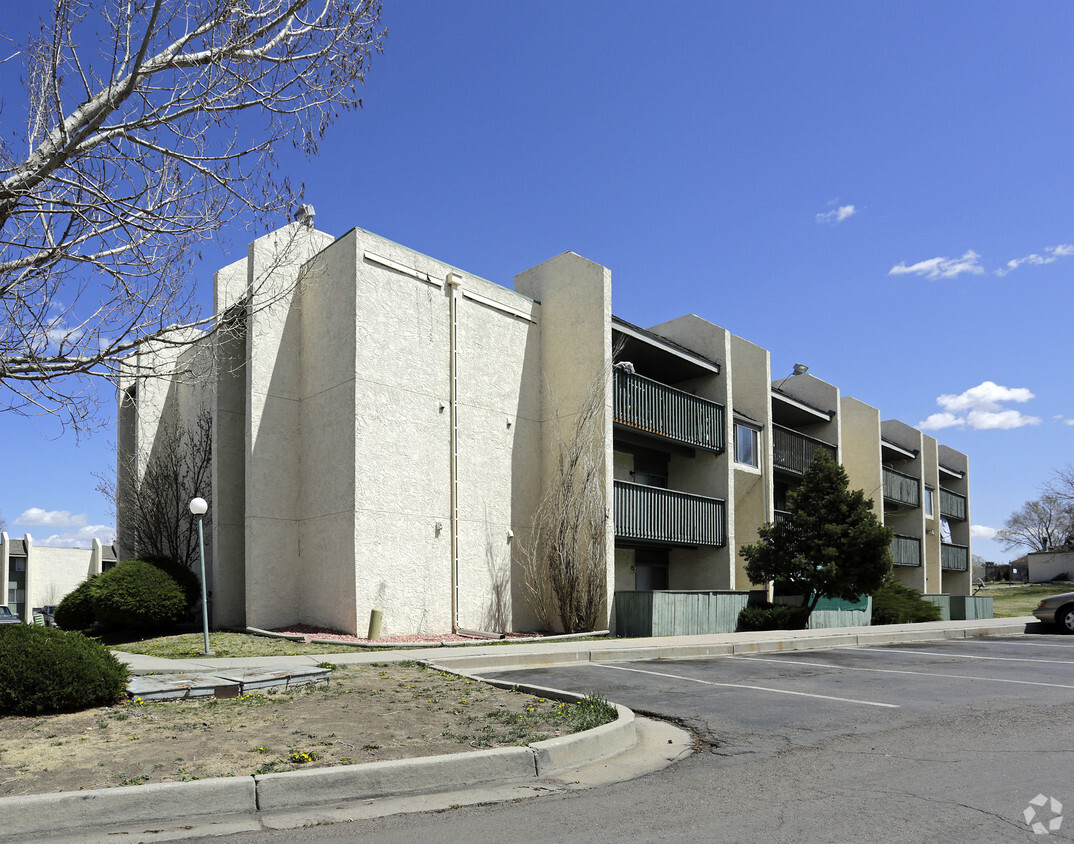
(153, 518)
(150, 127)
(1038, 525)
(565, 562)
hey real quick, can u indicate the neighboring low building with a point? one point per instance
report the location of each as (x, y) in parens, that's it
(37, 575)
(385, 429)
(1046, 566)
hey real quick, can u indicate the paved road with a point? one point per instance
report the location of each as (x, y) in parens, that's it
(938, 741)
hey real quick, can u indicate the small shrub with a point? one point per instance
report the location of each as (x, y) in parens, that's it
(894, 603)
(772, 617)
(44, 669)
(75, 611)
(138, 596)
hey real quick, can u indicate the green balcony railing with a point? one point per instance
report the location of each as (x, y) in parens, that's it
(906, 550)
(952, 505)
(954, 557)
(793, 451)
(653, 514)
(902, 489)
(647, 405)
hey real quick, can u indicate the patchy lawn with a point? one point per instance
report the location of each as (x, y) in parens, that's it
(1012, 601)
(365, 713)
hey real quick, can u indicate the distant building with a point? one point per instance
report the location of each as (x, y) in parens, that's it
(36, 575)
(383, 435)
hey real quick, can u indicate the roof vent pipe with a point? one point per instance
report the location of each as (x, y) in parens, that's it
(304, 215)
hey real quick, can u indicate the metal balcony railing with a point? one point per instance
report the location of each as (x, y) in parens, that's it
(781, 516)
(952, 505)
(902, 489)
(652, 514)
(906, 550)
(794, 451)
(954, 557)
(647, 405)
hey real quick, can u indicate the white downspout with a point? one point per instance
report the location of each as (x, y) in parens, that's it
(452, 281)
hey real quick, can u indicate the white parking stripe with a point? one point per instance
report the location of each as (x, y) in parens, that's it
(962, 656)
(744, 686)
(780, 661)
(1020, 643)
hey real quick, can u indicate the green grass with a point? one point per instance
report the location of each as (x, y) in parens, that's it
(498, 726)
(1014, 601)
(190, 645)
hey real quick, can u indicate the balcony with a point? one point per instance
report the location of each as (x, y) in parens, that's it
(952, 505)
(954, 557)
(662, 411)
(653, 514)
(781, 516)
(901, 489)
(906, 550)
(794, 452)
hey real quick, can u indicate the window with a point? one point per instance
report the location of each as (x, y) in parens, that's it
(928, 502)
(747, 445)
(20, 563)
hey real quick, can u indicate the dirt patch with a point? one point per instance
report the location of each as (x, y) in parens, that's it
(365, 713)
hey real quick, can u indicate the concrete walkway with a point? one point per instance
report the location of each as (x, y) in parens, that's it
(624, 749)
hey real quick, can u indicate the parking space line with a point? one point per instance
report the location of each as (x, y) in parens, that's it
(963, 656)
(780, 661)
(744, 686)
(1020, 643)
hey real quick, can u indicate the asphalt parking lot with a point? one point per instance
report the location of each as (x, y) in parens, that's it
(742, 704)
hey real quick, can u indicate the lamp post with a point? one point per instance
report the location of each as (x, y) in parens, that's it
(198, 507)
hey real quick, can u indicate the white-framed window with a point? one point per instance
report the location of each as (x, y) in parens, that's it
(928, 501)
(20, 563)
(747, 445)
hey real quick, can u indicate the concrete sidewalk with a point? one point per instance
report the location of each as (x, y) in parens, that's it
(624, 749)
(505, 657)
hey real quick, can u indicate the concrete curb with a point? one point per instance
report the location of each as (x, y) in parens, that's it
(51, 814)
(697, 647)
(55, 815)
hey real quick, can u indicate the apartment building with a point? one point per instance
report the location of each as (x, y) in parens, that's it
(33, 575)
(385, 426)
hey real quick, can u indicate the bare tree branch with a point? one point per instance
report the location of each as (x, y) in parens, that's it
(138, 148)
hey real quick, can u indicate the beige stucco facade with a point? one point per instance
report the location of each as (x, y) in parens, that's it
(385, 426)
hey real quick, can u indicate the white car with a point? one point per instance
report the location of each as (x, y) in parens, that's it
(1057, 610)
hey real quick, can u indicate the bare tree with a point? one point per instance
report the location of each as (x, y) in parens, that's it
(150, 126)
(565, 563)
(1038, 525)
(153, 519)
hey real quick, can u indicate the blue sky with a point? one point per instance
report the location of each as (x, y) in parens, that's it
(879, 190)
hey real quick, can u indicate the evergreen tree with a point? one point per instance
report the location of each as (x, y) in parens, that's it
(832, 546)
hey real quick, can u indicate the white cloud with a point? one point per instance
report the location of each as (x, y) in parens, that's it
(987, 395)
(79, 538)
(1068, 421)
(1051, 254)
(935, 268)
(837, 215)
(939, 421)
(35, 516)
(981, 408)
(982, 532)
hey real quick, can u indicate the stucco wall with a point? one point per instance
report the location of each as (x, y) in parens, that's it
(576, 358)
(403, 442)
(861, 450)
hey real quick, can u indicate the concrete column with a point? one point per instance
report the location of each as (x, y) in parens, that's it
(576, 357)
